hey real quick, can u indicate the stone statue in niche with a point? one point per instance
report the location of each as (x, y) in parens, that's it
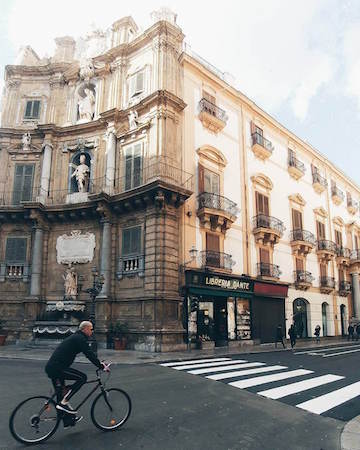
(70, 283)
(133, 120)
(26, 141)
(82, 174)
(86, 105)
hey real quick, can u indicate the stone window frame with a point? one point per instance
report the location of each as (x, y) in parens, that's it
(22, 267)
(136, 96)
(21, 119)
(131, 264)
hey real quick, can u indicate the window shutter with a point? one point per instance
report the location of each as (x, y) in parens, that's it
(139, 82)
(212, 242)
(128, 168)
(27, 183)
(262, 204)
(137, 165)
(126, 242)
(211, 182)
(299, 264)
(18, 181)
(36, 109)
(264, 256)
(135, 240)
(341, 275)
(338, 238)
(356, 242)
(297, 219)
(291, 154)
(314, 169)
(320, 230)
(252, 127)
(201, 178)
(210, 98)
(15, 250)
(28, 109)
(323, 270)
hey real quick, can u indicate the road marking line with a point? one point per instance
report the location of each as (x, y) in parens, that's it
(341, 353)
(243, 384)
(240, 373)
(219, 369)
(212, 364)
(328, 401)
(326, 349)
(299, 386)
(180, 363)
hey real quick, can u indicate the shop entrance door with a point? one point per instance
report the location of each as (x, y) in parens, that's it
(220, 322)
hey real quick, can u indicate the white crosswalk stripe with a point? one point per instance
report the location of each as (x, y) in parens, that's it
(214, 364)
(328, 401)
(243, 384)
(299, 386)
(220, 369)
(242, 373)
(194, 361)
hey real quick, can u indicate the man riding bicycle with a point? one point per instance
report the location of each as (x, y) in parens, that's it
(58, 368)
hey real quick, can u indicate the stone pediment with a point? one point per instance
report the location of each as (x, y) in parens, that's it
(338, 221)
(17, 149)
(297, 198)
(263, 181)
(212, 154)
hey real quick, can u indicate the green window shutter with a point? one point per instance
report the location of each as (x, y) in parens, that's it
(15, 250)
(27, 183)
(28, 109)
(128, 169)
(18, 181)
(131, 241)
(126, 241)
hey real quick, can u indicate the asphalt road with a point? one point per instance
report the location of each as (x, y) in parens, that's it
(173, 409)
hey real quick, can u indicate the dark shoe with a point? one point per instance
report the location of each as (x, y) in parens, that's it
(72, 422)
(66, 408)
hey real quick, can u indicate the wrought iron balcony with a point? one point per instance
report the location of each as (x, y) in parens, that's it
(211, 116)
(326, 249)
(342, 255)
(319, 182)
(352, 206)
(344, 288)
(268, 270)
(302, 241)
(267, 228)
(355, 256)
(337, 195)
(302, 279)
(327, 284)
(261, 147)
(216, 211)
(296, 168)
(218, 260)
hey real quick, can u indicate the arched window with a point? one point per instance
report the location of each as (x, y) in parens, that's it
(300, 317)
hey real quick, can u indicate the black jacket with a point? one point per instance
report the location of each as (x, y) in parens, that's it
(65, 353)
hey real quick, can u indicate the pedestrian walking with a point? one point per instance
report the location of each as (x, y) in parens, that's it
(350, 333)
(279, 336)
(317, 333)
(292, 335)
(357, 331)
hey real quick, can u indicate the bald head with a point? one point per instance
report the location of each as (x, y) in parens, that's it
(86, 327)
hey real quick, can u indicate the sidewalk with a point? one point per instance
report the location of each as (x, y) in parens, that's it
(350, 437)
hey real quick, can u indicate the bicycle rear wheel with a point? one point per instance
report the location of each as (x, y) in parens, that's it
(34, 420)
(111, 409)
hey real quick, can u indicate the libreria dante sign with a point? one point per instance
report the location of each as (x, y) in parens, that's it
(227, 284)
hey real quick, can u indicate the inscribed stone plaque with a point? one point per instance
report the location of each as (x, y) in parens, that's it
(76, 248)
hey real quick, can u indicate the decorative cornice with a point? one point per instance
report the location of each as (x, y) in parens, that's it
(297, 198)
(212, 154)
(338, 221)
(320, 212)
(263, 181)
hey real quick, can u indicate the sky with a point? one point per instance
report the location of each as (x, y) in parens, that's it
(299, 60)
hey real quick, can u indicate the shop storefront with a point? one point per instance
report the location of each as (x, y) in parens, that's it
(220, 309)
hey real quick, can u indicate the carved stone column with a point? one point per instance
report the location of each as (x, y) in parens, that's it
(110, 159)
(45, 171)
(36, 261)
(356, 294)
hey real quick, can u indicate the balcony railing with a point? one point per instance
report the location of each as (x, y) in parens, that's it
(294, 162)
(336, 192)
(344, 287)
(257, 138)
(327, 282)
(317, 178)
(303, 235)
(215, 201)
(268, 270)
(350, 203)
(269, 222)
(302, 276)
(328, 246)
(130, 265)
(342, 252)
(14, 271)
(156, 169)
(210, 108)
(355, 255)
(219, 260)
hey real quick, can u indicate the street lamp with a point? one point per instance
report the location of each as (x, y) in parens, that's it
(94, 291)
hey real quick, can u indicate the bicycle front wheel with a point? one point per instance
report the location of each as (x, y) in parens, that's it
(111, 409)
(34, 420)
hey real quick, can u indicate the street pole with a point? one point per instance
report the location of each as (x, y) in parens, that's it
(98, 281)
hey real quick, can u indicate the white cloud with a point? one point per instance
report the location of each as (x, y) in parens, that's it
(352, 62)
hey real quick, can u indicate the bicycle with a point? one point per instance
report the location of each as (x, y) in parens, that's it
(36, 419)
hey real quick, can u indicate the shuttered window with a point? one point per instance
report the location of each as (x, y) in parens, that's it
(15, 250)
(23, 183)
(137, 83)
(356, 243)
(255, 129)
(211, 182)
(264, 256)
(320, 228)
(131, 241)
(262, 204)
(297, 219)
(338, 238)
(212, 250)
(299, 264)
(32, 110)
(341, 275)
(210, 98)
(323, 270)
(133, 166)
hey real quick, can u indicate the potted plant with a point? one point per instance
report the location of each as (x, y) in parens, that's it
(2, 334)
(119, 331)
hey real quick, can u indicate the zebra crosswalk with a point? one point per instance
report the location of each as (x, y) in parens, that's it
(303, 388)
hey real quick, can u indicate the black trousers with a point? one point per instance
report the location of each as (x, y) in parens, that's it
(58, 380)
